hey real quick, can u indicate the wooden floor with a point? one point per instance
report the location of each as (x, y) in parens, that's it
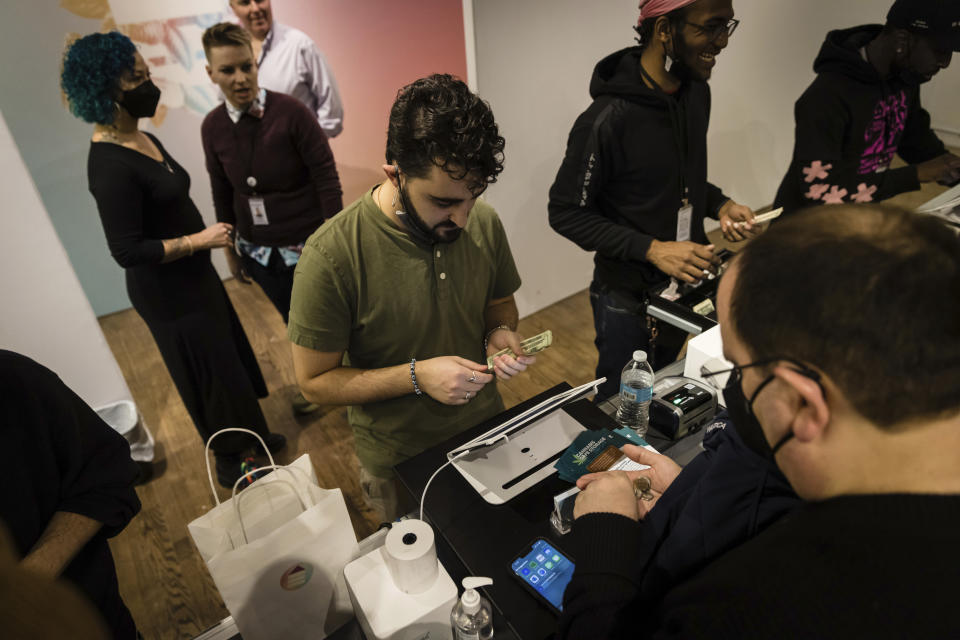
(162, 578)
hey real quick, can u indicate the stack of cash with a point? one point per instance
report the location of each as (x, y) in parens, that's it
(530, 346)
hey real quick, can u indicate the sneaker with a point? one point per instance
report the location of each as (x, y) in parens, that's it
(231, 468)
(275, 442)
(302, 406)
(228, 470)
(246, 467)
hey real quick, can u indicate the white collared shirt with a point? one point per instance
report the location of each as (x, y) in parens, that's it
(291, 63)
(259, 103)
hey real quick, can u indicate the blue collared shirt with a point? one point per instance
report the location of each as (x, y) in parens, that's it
(291, 63)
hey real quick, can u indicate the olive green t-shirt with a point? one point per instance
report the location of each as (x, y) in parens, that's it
(364, 287)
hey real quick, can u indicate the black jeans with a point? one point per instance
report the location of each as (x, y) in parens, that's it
(621, 322)
(276, 279)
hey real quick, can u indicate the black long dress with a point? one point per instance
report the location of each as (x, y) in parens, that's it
(142, 202)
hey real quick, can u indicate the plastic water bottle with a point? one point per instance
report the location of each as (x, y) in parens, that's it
(636, 390)
(472, 616)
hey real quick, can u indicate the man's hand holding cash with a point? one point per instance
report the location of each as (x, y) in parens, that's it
(503, 347)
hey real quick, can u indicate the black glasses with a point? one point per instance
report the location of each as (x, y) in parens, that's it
(736, 373)
(714, 31)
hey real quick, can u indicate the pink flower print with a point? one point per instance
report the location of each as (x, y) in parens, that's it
(835, 196)
(816, 171)
(816, 191)
(864, 193)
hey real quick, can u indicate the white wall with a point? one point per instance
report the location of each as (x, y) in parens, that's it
(941, 97)
(46, 315)
(534, 61)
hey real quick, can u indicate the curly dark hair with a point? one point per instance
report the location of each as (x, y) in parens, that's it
(92, 66)
(438, 121)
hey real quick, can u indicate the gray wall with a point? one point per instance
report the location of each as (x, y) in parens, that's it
(534, 61)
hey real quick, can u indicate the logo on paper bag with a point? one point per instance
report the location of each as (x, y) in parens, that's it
(296, 576)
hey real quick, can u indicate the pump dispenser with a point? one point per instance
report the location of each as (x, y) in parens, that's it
(472, 616)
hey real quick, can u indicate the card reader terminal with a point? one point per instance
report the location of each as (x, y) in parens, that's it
(681, 406)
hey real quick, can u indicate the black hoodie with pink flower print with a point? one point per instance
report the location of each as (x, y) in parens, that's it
(849, 124)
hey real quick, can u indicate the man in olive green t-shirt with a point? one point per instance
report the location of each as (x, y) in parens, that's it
(399, 299)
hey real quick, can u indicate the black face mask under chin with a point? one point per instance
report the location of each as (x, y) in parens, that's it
(142, 100)
(910, 77)
(411, 221)
(745, 423)
(675, 64)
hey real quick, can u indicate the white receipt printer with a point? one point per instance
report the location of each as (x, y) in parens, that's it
(400, 591)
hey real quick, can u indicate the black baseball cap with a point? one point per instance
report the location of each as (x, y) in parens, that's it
(939, 20)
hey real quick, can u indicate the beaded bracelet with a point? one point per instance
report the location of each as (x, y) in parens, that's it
(486, 338)
(413, 377)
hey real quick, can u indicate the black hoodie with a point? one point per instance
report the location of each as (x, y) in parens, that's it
(618, 188)
(849, 124)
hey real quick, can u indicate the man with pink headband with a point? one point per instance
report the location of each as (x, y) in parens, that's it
(633, 183)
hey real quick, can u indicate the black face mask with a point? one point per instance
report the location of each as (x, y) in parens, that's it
(911, 78)
(678, 68)
(746, 424)
(142, 100)
(416, 226)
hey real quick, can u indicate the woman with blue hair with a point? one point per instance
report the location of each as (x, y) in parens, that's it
(155, 232)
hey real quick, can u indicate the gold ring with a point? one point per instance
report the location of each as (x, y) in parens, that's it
(641, 488)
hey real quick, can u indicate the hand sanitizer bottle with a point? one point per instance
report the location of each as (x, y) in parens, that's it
(472, 617)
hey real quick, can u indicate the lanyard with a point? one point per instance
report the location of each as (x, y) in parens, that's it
(250, 179)
(679, 130)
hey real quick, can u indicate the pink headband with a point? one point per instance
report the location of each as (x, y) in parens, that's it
(655, 8)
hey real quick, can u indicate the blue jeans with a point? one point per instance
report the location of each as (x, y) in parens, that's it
(621, 322)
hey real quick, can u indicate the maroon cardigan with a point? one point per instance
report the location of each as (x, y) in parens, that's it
(288, 154)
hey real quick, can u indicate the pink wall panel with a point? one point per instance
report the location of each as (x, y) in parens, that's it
(375, 47)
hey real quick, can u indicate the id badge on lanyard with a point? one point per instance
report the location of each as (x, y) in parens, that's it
(684, 221)
(258, 211)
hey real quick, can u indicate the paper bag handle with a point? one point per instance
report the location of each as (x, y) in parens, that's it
(206, 455)
(236, 499)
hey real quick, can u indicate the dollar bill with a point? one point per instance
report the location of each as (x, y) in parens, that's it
(530, 346)
(763, 217)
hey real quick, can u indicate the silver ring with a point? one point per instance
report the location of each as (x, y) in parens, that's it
(466, 396)
(473, 377)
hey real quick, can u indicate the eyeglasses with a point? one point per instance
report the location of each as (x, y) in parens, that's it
(736, 373)
(714, 31)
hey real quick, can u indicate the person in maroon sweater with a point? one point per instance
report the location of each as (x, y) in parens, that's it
(271, 169)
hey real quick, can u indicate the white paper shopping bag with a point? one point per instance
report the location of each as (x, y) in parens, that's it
(276, 553)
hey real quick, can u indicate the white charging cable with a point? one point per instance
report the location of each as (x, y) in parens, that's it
(423, 496)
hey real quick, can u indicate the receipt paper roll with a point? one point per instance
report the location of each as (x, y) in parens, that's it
(411, 556)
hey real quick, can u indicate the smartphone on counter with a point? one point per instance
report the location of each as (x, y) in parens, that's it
(545, 571)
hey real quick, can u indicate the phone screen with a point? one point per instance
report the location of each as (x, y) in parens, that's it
(546, 570)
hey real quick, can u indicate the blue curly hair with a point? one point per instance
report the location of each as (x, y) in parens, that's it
(92, 67)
